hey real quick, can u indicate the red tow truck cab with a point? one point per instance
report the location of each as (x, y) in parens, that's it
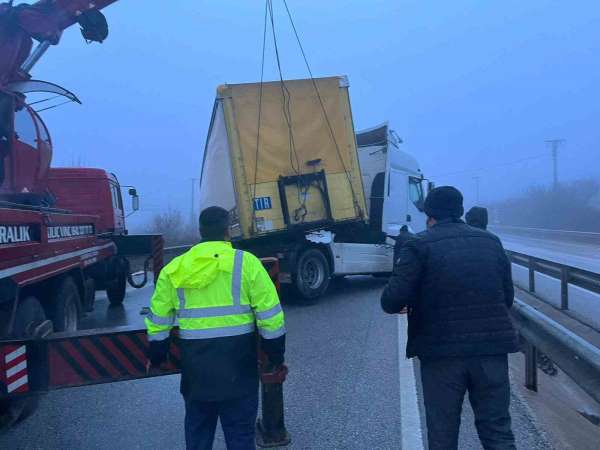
(90, 191)
(62, 231)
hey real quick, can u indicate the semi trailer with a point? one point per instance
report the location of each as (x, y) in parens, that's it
(284, 159)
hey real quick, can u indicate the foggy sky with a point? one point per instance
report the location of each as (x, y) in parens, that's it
(468, 85)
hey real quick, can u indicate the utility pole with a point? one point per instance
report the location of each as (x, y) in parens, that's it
(477, 178)
(554, 145)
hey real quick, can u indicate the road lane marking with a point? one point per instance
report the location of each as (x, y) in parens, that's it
(410, 416)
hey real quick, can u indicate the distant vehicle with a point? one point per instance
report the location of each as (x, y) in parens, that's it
(306, 188)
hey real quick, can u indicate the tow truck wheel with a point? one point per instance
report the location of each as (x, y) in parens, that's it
(115, 291)
(312, 276)
(66, 304)
(28, 316)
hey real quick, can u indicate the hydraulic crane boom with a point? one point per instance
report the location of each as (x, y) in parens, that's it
(43, 21)
(23, 171)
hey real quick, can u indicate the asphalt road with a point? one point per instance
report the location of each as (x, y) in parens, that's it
(343, 390)
(576, 254)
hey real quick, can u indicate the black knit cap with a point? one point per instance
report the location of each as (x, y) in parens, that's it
(444, 202)
(477, 216)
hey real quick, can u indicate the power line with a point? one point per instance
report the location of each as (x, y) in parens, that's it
(287, 114)
(495, 166)
(325, 115)
(260, 96)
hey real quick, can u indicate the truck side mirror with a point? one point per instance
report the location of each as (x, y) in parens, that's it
(135, 199)
(430, 186)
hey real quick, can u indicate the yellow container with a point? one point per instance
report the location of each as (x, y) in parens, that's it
(298, 170)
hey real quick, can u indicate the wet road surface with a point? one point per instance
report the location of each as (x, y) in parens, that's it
(343, 391)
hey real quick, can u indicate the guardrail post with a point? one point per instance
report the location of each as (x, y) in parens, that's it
(531, 379)
(564, 287)
(531, 267)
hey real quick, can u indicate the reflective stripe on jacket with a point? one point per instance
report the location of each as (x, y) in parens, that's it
(214, 291)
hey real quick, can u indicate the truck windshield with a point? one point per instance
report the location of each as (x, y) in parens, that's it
(115, 193)
(25, 129)
(415, 191)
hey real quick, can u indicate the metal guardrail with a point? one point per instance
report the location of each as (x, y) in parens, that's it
(583, 237)
(178, 249)
(575, 356)
(584, 279)
(174, 251)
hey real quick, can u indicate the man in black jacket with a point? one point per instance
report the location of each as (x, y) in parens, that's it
(403, 236)
(455, 281)
(477, 217)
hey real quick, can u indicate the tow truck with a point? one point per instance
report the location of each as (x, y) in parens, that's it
(62, 230)
(63, 237)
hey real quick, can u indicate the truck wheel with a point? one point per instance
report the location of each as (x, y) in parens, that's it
(115, 291)
(28, 316)
(313, 275)
(66, 304)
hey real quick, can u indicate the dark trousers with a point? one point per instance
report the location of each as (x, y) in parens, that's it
(238, 420)
(445, 382)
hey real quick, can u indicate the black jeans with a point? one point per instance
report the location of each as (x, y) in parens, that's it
(445, 382)
(238, 420)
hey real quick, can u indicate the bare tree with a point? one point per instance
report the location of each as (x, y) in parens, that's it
(569, 206)
(173, 228)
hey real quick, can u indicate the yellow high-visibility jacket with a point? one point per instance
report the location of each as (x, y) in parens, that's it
(214, 291)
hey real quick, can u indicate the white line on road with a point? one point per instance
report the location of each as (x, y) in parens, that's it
(410, 423)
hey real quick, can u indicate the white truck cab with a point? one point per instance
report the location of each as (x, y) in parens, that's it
(395, 193)
(394, 184)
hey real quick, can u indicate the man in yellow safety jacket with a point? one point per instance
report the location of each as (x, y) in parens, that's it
(219, 297)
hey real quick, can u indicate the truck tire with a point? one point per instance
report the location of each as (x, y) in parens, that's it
(28, 315)
(312, 275)
(116, 290)
(65, 306)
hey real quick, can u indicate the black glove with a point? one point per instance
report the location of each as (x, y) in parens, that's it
(158, 351)
(275, 349)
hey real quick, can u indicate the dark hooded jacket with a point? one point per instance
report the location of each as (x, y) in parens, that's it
(456, 282)
(477, 216)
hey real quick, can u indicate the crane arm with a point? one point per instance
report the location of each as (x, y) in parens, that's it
(44, 21)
